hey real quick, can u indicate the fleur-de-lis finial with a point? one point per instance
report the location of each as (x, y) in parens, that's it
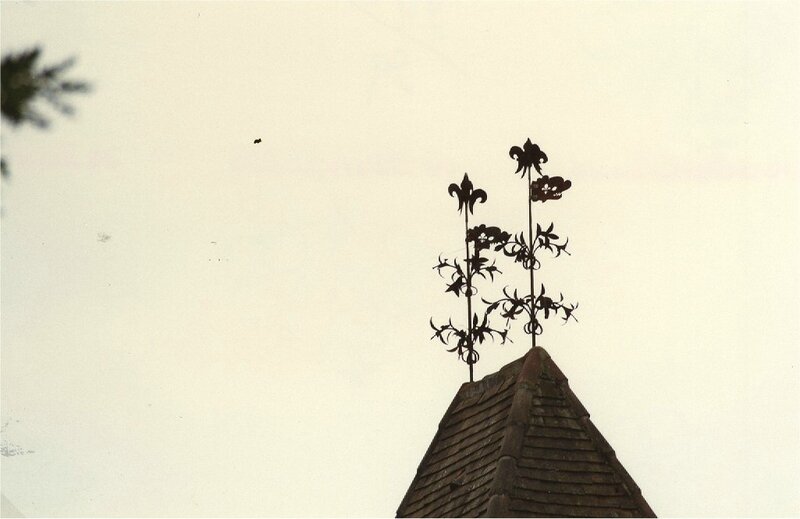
(467, 197)
(530, 155)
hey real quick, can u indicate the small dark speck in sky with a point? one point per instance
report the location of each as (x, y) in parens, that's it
(257, 141)
(103, 237)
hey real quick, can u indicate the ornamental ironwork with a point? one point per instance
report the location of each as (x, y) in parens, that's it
(484, 244)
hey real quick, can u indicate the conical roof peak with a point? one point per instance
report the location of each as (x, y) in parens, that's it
(518, 442)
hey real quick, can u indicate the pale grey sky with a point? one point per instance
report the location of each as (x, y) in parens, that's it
(253, 338)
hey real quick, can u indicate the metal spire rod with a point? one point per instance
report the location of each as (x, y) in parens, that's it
(530, 266)
(470, 344)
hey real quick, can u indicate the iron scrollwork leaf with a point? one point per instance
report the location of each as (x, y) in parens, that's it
(547, 239)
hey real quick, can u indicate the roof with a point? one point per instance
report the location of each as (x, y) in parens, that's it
(519, 443)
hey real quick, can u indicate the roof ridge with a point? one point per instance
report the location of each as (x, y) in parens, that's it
(514, 436)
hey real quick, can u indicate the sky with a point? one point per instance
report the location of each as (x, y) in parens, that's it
(252, 337)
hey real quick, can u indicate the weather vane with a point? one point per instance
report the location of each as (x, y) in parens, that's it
(482, 238)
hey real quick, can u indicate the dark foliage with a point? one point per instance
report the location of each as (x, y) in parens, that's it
(22, 83)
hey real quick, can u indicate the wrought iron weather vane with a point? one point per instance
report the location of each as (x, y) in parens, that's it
(485, 238)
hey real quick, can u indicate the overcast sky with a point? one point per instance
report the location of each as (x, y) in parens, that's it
(252, 336)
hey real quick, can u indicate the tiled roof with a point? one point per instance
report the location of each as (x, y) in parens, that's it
(519, 443)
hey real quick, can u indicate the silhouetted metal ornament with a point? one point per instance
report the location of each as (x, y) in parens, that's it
(548, 188)
(485, 237)
(530, 307)
(462, 275)
(527, 157)
(467, 196)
